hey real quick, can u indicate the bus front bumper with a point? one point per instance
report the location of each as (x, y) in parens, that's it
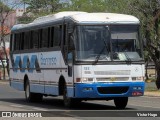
(109, 90)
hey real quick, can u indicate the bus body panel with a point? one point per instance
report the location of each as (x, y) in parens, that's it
(108, 76)
(43, 71)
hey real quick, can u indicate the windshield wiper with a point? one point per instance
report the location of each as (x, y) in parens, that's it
(100, 53)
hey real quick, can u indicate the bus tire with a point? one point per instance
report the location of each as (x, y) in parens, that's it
(121, 102)
(32, 97)
(68, 102)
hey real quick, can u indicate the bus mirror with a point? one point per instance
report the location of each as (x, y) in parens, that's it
(70, 57)
(70, 60)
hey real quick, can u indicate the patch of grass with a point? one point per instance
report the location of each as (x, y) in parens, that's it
(150, 80)
(151, 89)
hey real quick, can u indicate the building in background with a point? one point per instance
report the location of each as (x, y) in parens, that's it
(8, 24)
(19, 12)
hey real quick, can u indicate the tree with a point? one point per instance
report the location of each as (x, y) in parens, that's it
(118, 6)
(42, 7)
(149, 13)
(6, 7)
(86, 5)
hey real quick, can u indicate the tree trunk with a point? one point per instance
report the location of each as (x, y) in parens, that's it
(158, 78)
(146, 73)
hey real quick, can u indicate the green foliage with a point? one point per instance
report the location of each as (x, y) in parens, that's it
(3, 7)
(42, 7)
(25, 19)
(86, 5)
(118, 6)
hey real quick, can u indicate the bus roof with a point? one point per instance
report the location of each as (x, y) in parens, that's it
(83, 17)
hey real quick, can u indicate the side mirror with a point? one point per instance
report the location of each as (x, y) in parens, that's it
(70, 57)
(70, 62)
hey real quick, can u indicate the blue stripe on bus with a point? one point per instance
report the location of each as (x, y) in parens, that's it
(17, 63)
(37, 88)
(17, 85)
(26, 64)
(51, 90)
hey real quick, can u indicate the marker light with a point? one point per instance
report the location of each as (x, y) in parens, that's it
(88, 89)
(138, 78)
(137, 93)
(84, 79)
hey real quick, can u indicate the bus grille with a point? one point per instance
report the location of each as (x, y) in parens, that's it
(116, 72)
(110, 79)
(112, 90)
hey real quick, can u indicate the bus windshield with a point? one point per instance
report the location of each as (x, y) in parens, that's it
(125, 43)
(91, 43)
(107, 43)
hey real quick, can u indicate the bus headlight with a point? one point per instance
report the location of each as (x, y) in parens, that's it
(138, 78)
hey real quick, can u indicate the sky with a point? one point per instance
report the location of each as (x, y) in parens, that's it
(11, 2)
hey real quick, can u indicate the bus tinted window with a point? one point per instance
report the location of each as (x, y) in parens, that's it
(57, 35)
(44, 39)
(27, 38)
(17, 42)
(35, 38)
(52, 37)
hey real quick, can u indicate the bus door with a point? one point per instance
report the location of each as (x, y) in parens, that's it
(70, 56)
(69, 53)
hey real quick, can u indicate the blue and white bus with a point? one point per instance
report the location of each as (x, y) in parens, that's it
(80, 56)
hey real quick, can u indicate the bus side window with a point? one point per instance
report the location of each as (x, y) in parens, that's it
(44, 39)
(35, 39)
(52, 36)
(57, 35)
(17, 41)
(22, 41)
(49, 37)
(27, 37)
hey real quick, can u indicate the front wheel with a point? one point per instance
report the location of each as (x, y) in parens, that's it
(32, 97)
(121, 103)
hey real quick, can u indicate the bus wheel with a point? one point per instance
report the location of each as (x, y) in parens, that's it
(32, 97)
(68, 102)
(121, 103)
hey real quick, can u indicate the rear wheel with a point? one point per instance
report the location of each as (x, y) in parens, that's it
(121, 103)
(32, 97)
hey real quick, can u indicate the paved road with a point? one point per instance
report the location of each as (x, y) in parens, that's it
(13, 100)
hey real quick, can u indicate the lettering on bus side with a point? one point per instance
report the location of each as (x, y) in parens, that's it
(48, 60)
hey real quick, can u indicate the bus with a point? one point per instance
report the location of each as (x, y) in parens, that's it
(79, 56)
